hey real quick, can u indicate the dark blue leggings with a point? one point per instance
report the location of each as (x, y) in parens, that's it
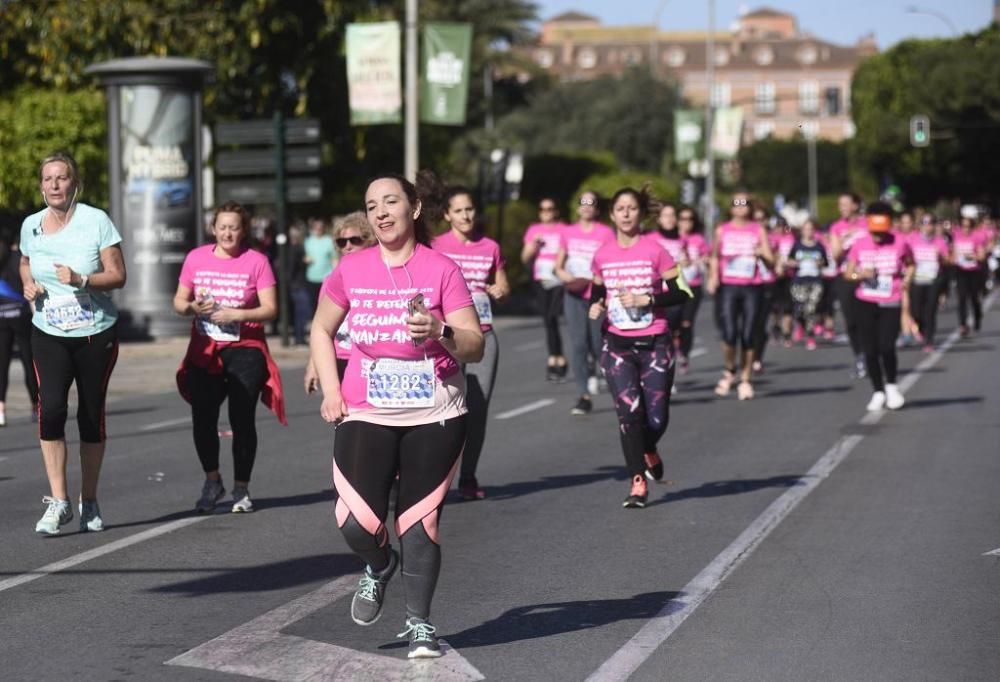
(640, 375)
(739, 306)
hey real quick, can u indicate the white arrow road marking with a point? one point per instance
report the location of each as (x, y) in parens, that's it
(995, 552)
(259, 649)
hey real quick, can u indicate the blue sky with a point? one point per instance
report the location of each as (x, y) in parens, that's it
(838, 21)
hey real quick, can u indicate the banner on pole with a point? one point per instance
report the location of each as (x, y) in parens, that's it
(688, 143)
(373, 77)
(445, 82)
(727, 132)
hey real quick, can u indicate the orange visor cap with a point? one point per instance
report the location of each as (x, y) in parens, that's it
(879, 223)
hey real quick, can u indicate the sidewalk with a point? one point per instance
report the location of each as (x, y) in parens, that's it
(146, 368)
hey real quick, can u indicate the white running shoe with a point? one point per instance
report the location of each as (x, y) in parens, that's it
(90, 517)
(893, 398)
(58, 513)
(241, 500)
(877, 402)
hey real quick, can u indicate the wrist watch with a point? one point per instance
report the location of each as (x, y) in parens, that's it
(446, 332)
(83, 281)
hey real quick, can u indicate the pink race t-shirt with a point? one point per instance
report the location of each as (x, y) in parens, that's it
(580, 247)
(639, 269)
(928, 254)
(888, 260)
(848, 231)
(765, 274)
(231, 282)
(675, 247)
(479, 260)
(738, 253)
(696, 248)
(375, 298)
(543, 269)
(964, 247)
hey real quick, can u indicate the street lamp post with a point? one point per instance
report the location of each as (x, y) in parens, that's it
(411, 146)
(654, 53)
(709, 156)
(911, 9)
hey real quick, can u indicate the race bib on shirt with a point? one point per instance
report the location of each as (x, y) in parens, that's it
(401, 384)
(808, 268)
(927, 271)
(545, 270)
(227, 331)
(71, 311)
(878, 287)
(484, 308)
(741, 267)
(579, 266)
(691, 272)
(628, 318)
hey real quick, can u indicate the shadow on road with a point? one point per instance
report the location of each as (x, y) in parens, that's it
(781, 393)
(546, 620)
(268, 577)
(938, 402)
(733, 487)
(512, 490)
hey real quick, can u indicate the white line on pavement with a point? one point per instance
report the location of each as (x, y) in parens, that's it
(698, 352)
(163, 425)
(660, 627)
(524, 409)
(72, 561)
(993, 552)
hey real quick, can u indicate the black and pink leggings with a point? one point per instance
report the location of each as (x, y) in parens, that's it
(640, 376)
(366, 459)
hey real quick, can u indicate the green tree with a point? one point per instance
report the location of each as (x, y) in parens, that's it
(957, 84)
(776, 166)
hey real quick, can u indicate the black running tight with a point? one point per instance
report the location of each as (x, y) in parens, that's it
(878, 329)
(18, 328)
(550, 305)
(968, 284)
(640, 376)
(366, 460)
(244, 371)
(688, 317)
(924, 308)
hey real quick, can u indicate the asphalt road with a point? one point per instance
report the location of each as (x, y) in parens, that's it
(796, 539)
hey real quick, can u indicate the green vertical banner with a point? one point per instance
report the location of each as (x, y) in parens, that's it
(373, 73)
(688, 142)
(445, 73)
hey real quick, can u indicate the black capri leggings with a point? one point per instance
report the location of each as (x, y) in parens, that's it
(550, 305)
(924, 307)
(366, 459)
(739, 307)
(687, 320)
(61, 360)
(878, 329)
(244, 371)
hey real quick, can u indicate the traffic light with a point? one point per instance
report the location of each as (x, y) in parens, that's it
(920, 131)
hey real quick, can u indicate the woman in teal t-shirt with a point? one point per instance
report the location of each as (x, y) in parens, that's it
(320, 256)
(71, 261)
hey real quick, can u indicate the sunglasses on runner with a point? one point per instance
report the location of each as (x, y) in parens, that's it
(343, 241)
(741, 202)
(588, 202)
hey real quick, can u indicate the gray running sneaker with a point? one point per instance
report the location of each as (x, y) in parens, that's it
(423, 642)
(58, 513)
(211, 493)
(242, 503)
(366, 607)
(90, 517)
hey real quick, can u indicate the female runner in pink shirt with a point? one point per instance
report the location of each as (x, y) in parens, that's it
(482, 266)
(881, 265)
(930, 257)
(968, 253)
(401, 406)
(696, 252)
(635, 281)
(541, 246)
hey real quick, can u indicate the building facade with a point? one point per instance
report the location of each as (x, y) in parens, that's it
(785, 81)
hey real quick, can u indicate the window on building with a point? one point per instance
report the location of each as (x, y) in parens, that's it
(633, 57)
(586, 58)
(675, 56)
(764, 98)
(763, 55)
(831, 100)
(721, 95)
(763, 129)
(808, 54)
(809, 97)
(544, 58)
(721, 56)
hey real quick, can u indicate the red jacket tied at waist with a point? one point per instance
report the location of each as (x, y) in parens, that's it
(204, 352)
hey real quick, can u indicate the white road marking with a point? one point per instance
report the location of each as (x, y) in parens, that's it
(4, 459)
(524, 409)
(259, 649)
(995, 552)
(697, 352)
(78, 559)
(660, 627)
(530, 345)
(163, 425)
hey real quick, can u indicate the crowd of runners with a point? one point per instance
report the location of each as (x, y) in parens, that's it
(405, 357)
